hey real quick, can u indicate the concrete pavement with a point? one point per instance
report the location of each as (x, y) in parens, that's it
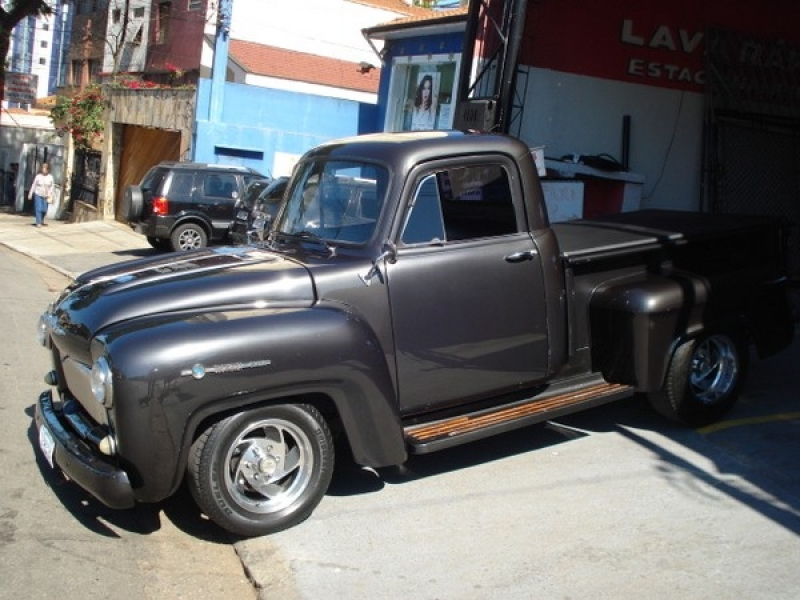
(71, 248)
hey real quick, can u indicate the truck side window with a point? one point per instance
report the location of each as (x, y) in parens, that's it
(478, 202)
(462, 203)
(424, 223)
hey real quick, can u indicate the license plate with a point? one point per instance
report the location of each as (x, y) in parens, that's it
(242, 215)
(46, 444)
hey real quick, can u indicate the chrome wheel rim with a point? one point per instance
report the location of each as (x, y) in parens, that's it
(189, 240)
(269, 466)
(714, 368)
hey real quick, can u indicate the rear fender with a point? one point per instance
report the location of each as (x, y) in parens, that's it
(636, 324)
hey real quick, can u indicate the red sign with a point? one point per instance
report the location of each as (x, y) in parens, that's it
(647, 41)
(21, 87)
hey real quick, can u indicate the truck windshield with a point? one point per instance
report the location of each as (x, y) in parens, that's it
(337, 201)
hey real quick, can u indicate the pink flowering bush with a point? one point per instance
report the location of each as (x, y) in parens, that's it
(82, 116)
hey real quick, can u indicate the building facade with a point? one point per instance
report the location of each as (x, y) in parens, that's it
(38, 46)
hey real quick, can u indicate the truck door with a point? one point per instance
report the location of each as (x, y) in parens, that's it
(466, 289)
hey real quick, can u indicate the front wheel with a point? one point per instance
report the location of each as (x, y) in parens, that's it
(704, 379)
(261, 471)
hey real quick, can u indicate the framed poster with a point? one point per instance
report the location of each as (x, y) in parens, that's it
(421, 93)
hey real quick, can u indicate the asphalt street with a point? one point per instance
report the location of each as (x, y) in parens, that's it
(55, 541)
(610, 503)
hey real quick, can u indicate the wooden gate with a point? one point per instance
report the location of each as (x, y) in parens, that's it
(142, 148)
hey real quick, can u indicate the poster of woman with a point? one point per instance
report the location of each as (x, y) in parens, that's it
(423, 110)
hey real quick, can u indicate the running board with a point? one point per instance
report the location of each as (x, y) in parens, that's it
(445, 433)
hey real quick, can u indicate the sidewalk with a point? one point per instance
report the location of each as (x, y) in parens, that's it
(71, 248)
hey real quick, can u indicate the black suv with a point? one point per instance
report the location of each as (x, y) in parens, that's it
(182, 206)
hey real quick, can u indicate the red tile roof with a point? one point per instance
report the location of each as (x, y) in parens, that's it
(270, 61)
(430, 15)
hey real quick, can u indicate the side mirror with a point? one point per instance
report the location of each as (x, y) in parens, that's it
(389, 254)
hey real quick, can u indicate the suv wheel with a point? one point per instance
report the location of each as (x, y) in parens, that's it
(188, 236)
(133, 202)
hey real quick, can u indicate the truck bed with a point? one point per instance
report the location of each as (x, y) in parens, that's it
(704, 242)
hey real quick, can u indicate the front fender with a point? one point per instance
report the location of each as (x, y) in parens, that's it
(172, 374)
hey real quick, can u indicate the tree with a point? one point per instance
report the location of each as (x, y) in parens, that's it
(119, 34)
(11, 13)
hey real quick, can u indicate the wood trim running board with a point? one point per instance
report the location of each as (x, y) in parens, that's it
(444, 433)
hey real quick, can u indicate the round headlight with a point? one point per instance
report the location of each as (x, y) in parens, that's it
(101, 381)
(41, 330)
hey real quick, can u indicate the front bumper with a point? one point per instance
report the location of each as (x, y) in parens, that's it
(89, 469)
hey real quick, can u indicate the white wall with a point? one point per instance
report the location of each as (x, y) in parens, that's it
(310, 88)
(329, 28)
(40, 57)
(577, 114)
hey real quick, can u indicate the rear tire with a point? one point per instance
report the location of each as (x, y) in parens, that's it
(189, 236)
(263, 470)
(704, 379)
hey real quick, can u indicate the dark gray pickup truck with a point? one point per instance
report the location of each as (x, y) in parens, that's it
(411, 296)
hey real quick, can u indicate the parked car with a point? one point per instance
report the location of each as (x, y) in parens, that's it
(256, 211)
(183, 206)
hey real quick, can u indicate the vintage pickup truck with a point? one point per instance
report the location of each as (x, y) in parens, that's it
(411, 296)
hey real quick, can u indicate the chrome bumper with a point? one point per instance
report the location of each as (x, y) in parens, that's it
(88, 468)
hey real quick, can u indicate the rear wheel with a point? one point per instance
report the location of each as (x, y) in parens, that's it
(264, 470)
(704, 379)
(188, 236)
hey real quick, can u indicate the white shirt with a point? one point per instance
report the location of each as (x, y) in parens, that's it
(42, 185)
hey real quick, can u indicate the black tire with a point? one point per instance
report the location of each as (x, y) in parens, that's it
(188, 236)
(229, 461)
(704, 379)
(133, 203)
(159, 243)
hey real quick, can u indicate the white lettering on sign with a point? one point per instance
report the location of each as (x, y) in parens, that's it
(769, 56)
(20, 87)
(662, 38)
(642, 68)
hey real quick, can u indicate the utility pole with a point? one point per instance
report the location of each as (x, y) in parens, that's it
(220, 65)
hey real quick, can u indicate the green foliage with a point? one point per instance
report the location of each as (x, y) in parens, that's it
(82, 116)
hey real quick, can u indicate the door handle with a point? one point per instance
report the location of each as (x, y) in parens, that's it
(520, 256)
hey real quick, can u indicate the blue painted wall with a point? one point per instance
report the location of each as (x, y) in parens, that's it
(257, 122)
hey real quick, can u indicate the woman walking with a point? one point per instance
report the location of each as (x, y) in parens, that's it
(42, 193)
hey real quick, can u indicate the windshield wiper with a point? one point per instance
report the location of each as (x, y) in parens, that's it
(306, 236)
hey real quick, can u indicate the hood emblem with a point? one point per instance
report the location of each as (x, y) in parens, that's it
(199, 370)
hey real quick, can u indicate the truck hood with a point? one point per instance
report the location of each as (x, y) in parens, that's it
(200, 281)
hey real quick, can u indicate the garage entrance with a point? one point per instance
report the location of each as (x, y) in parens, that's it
(754, 125)
(143, 147)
